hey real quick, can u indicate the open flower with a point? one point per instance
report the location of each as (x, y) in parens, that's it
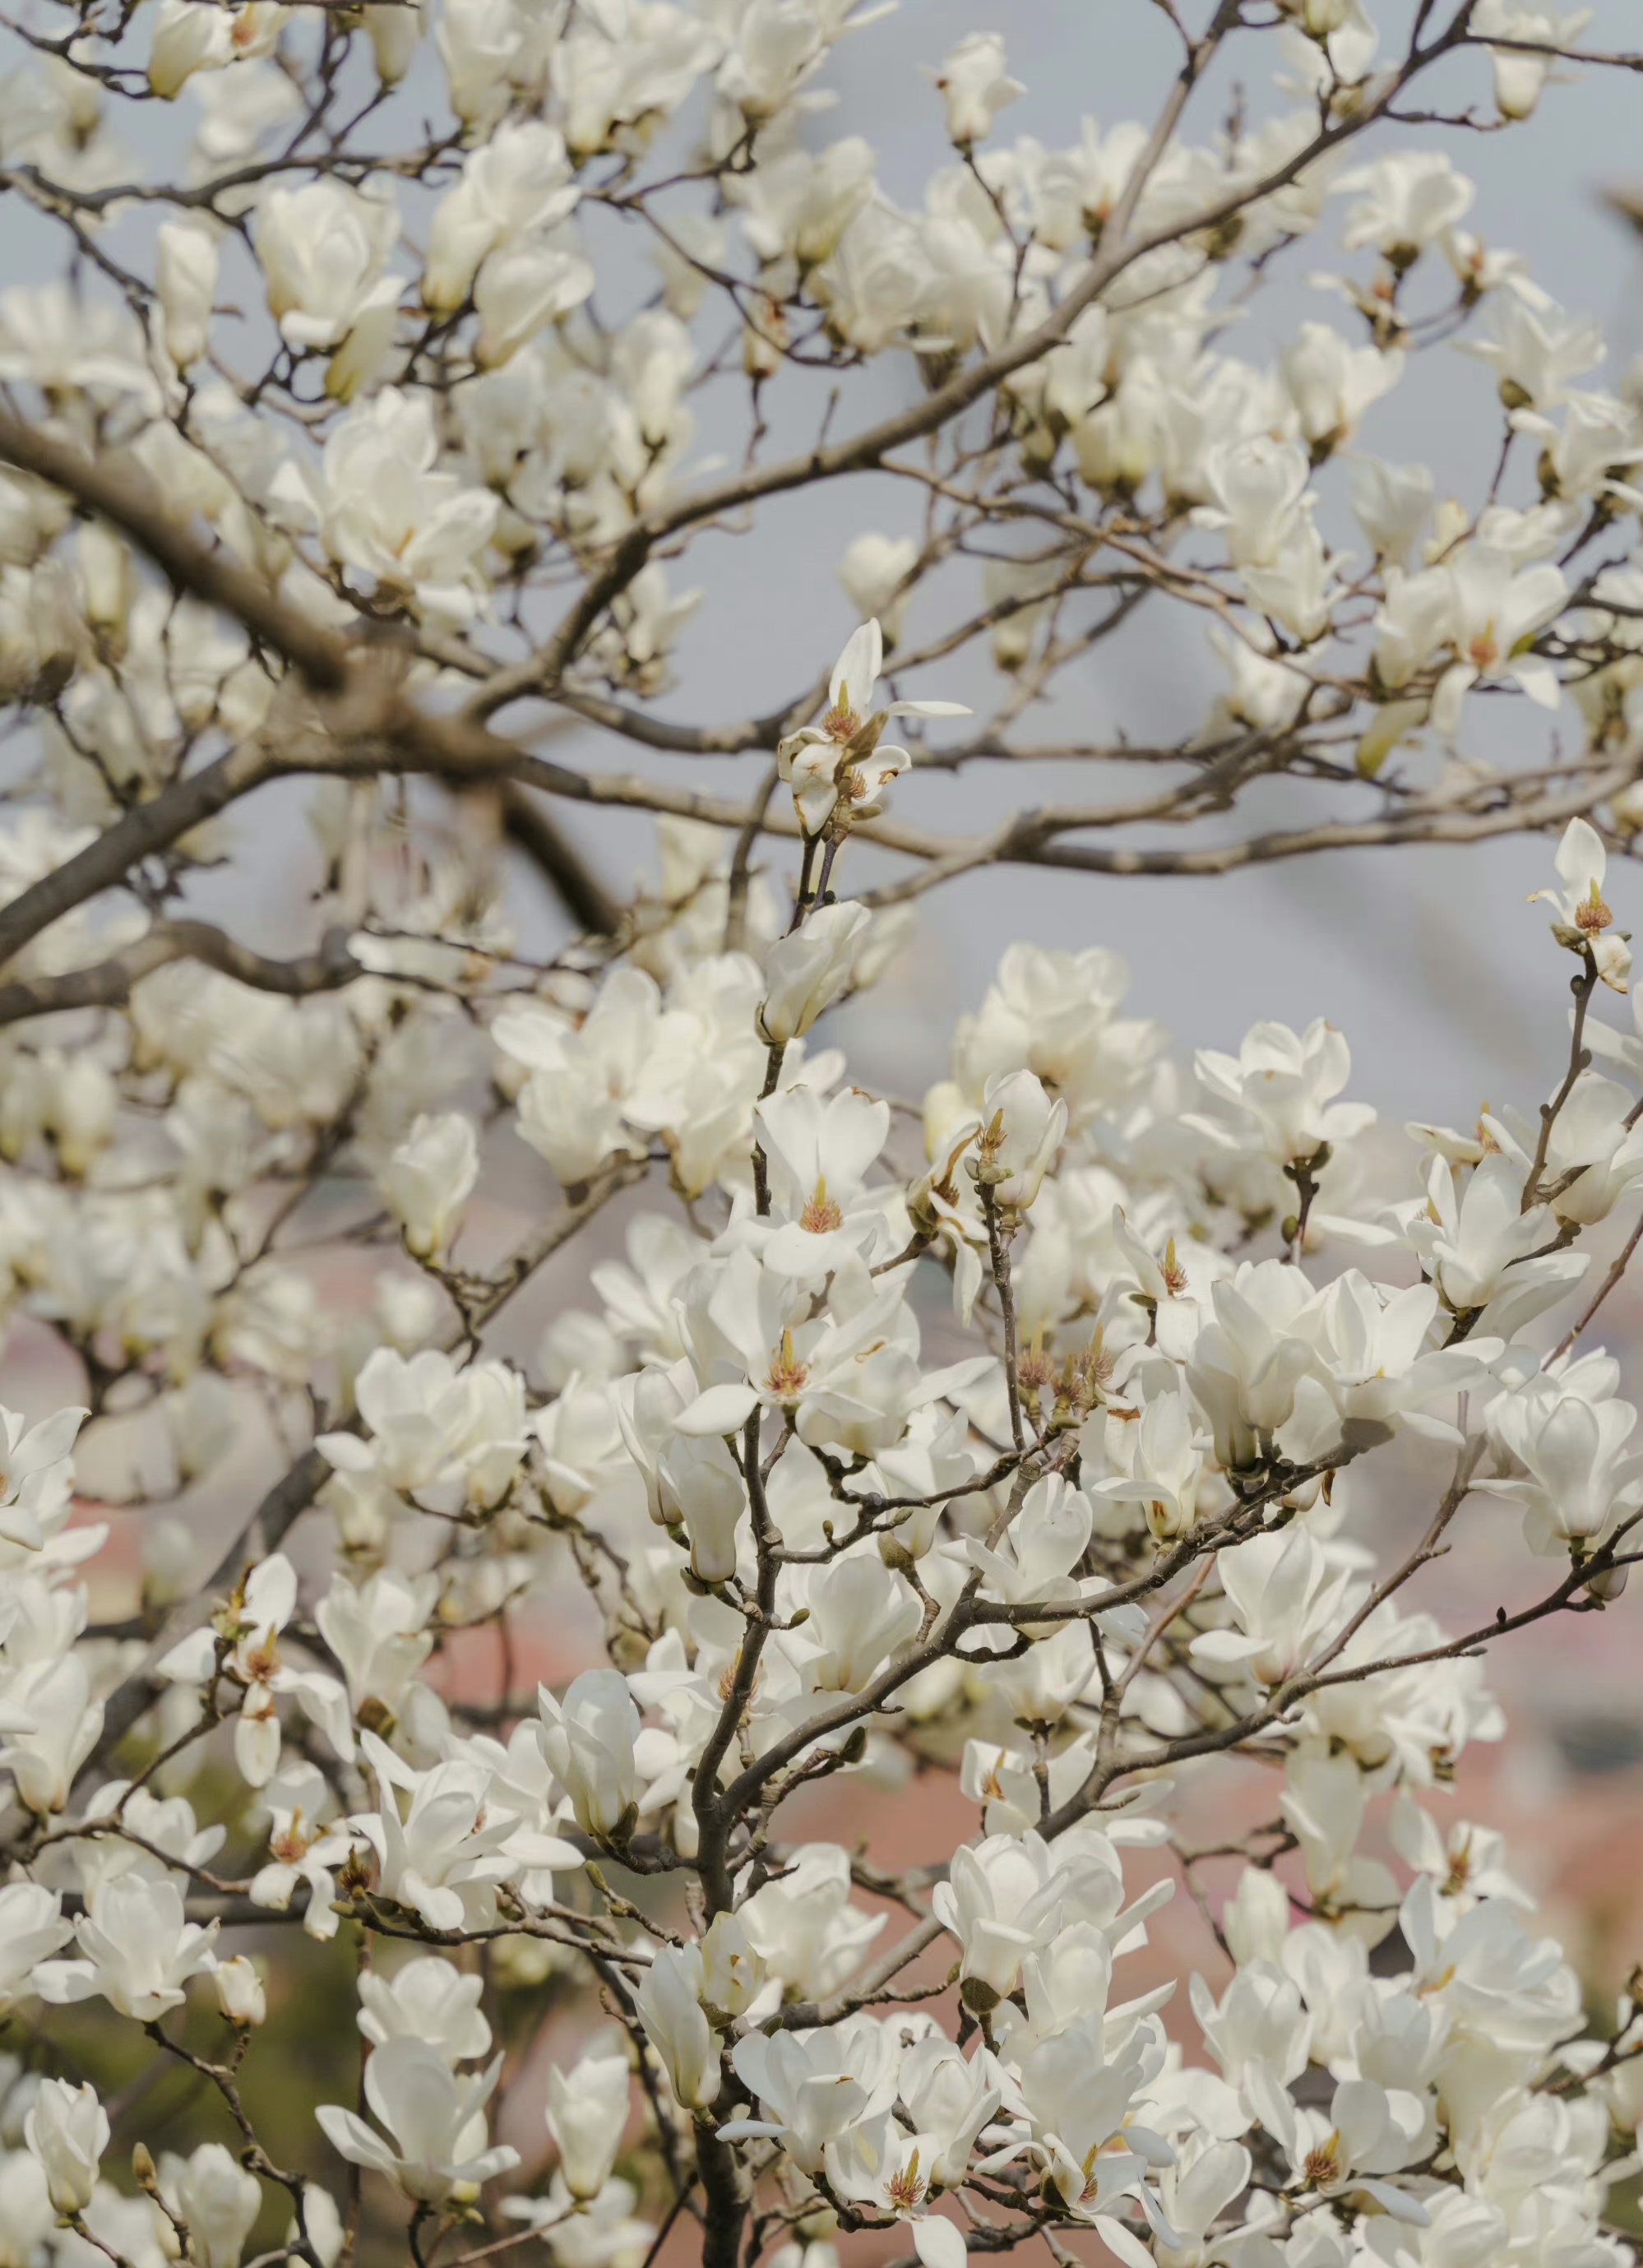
(1495, 611)
(1584, 922)
(840, 761)
(254, 1663)
(440, 2146)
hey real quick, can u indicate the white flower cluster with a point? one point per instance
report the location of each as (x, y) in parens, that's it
(1113, 1537)
(1024, 1443)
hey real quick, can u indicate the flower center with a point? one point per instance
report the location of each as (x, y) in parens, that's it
(1592, 914)
(788, 1374)
(1460, 1870)
(1483, 652)
(821, 1214)
(905, 2189)
(841, 721)
(262, 1662)
(1324, 2164)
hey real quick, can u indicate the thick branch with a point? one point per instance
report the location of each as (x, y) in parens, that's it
(108, 983)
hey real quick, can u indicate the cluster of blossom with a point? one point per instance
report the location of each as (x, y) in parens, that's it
(1112, 1535)
(1084, 1518)
(484, 426)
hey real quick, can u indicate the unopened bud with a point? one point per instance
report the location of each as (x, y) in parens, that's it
(239, 1993)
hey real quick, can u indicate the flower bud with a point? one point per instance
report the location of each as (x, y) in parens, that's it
(239, 1993)
(587, 1739)
(732, 1969)
(669, 2003)
(187, 257)
(587, 2110)
(68, 2132)
(807, 972)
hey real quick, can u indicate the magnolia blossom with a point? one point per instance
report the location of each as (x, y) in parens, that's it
(217, 2199)
(429, 1999)
(1520, 75)
(135, 1950)
(1584, 920)
(975, 86)
(323, 250)
(439, 2147)
(1495, 611)
(587, 2110)
(516, 184)
(429, 1178)
(1580, 1470)
(68, 2132)
(670, 2005)
(917, 1474)
(805, 973)
(187, 259)
(1020, 1132)
(1286, 1085)
(588, 1741)
(1287, 1598)
(841, 766)
(254, 1662)
(385, 510)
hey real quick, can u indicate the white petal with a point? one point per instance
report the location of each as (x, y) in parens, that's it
(939, 2244)
(721, 1410)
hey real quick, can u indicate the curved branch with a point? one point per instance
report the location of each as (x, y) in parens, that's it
(108, 983)
(124, 495)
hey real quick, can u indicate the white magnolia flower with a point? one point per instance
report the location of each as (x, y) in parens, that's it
(429, 1177)
(807, 971)
(188, 256)
(1584, 920)
(819, 1154)
(385, 510)
(323, 249)
(1493, 613)
(1536, 349)
(670, 2005)
(32, 1928)
(1281, 1088)
(241, 1995)
(254, 1661)
(873, 572)
(841, 765)
(135, 1950)
(587, 2112)
(515, 185)
(217, 2199)
(68, 2132)
(439, 2148)
(379, 1632)
(975, 87)
(1406, 202)
(588, 1739)
(1288, 1600)
(1576, 1470)
(1020, 1135)
(428, 1999)
(36, 1474)
(812, 2086)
